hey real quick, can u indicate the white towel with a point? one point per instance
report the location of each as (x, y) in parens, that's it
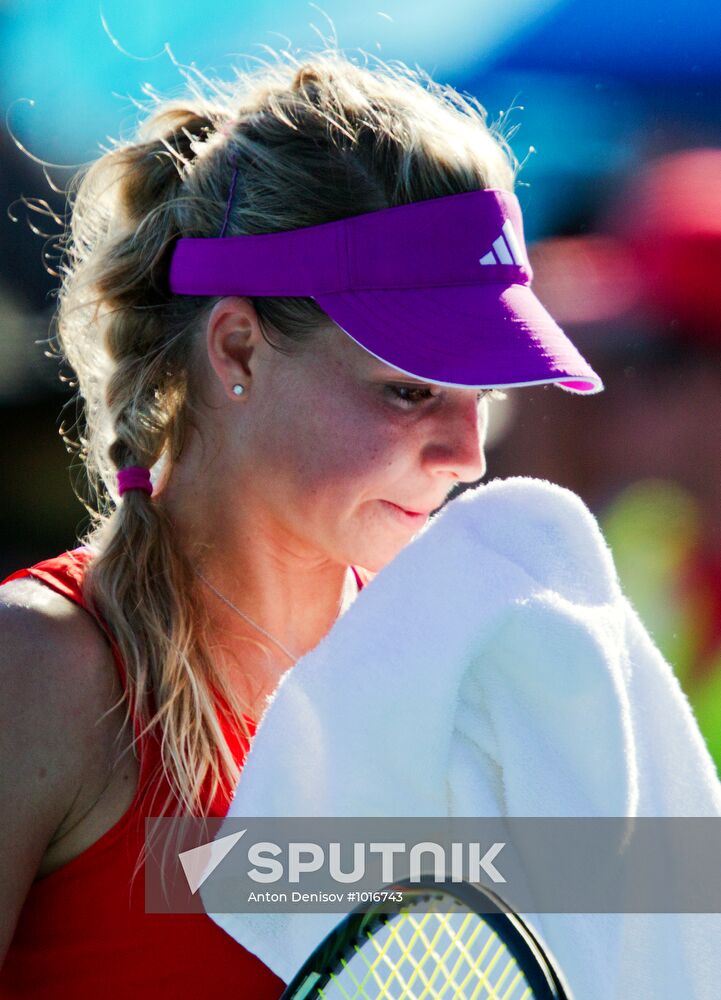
(500, 630)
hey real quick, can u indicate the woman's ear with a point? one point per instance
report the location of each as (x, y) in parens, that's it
(232, 334)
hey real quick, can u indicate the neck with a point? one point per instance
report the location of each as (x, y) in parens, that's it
(293, 593)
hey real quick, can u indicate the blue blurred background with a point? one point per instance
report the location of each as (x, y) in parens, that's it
(618, 108)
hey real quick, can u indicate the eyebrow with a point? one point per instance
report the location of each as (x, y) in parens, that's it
(389, 372)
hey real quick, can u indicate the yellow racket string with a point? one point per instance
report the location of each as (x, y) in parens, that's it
(440, 963)
(457, 942)
(434, 975)
(381, 954)
(395, 937)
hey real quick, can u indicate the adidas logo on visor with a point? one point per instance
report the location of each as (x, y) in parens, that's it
(506, 249)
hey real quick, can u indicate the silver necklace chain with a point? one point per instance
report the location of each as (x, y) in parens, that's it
(242, 614)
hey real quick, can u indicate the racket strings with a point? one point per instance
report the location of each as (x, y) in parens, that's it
(440, 960)
(372, 966)
(480, 967)
(382, 949)
(429, 956)
(430, 952)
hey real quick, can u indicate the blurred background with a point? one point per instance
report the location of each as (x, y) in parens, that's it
(617, 116)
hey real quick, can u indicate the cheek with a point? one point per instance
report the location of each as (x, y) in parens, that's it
(343, 452)
(330, 446)
(344, 441)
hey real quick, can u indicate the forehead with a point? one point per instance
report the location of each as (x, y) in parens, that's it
(350, 356)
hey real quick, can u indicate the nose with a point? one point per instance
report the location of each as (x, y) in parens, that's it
(455, 445)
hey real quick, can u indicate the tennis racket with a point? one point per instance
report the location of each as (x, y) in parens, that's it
(435, 944)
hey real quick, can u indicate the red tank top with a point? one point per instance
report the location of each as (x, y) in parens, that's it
(82, 932)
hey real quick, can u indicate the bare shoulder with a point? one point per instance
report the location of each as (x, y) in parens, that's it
(57, 678)
(53, 652)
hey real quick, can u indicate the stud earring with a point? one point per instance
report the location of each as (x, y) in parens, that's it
(238, 390)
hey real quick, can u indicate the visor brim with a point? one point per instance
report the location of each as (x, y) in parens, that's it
(475, 336)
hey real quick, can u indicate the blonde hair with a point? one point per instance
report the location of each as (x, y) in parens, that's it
(314, 140)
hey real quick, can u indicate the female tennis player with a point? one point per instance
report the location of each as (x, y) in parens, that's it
(286, 305)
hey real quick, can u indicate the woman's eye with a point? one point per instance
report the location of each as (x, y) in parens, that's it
(411, 395)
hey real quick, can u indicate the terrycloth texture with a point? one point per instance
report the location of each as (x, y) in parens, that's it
(501, 634)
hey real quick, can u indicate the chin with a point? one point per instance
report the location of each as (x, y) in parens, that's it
(381, 540)
(375, 558)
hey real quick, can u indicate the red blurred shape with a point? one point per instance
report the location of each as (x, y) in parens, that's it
(669, 215)
(585, 279)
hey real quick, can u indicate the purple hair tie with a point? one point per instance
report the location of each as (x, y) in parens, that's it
(134, 477)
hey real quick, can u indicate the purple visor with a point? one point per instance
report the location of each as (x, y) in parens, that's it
(438, 289)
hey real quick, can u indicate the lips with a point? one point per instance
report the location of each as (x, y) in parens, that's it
(424, 511)
(405, 512)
